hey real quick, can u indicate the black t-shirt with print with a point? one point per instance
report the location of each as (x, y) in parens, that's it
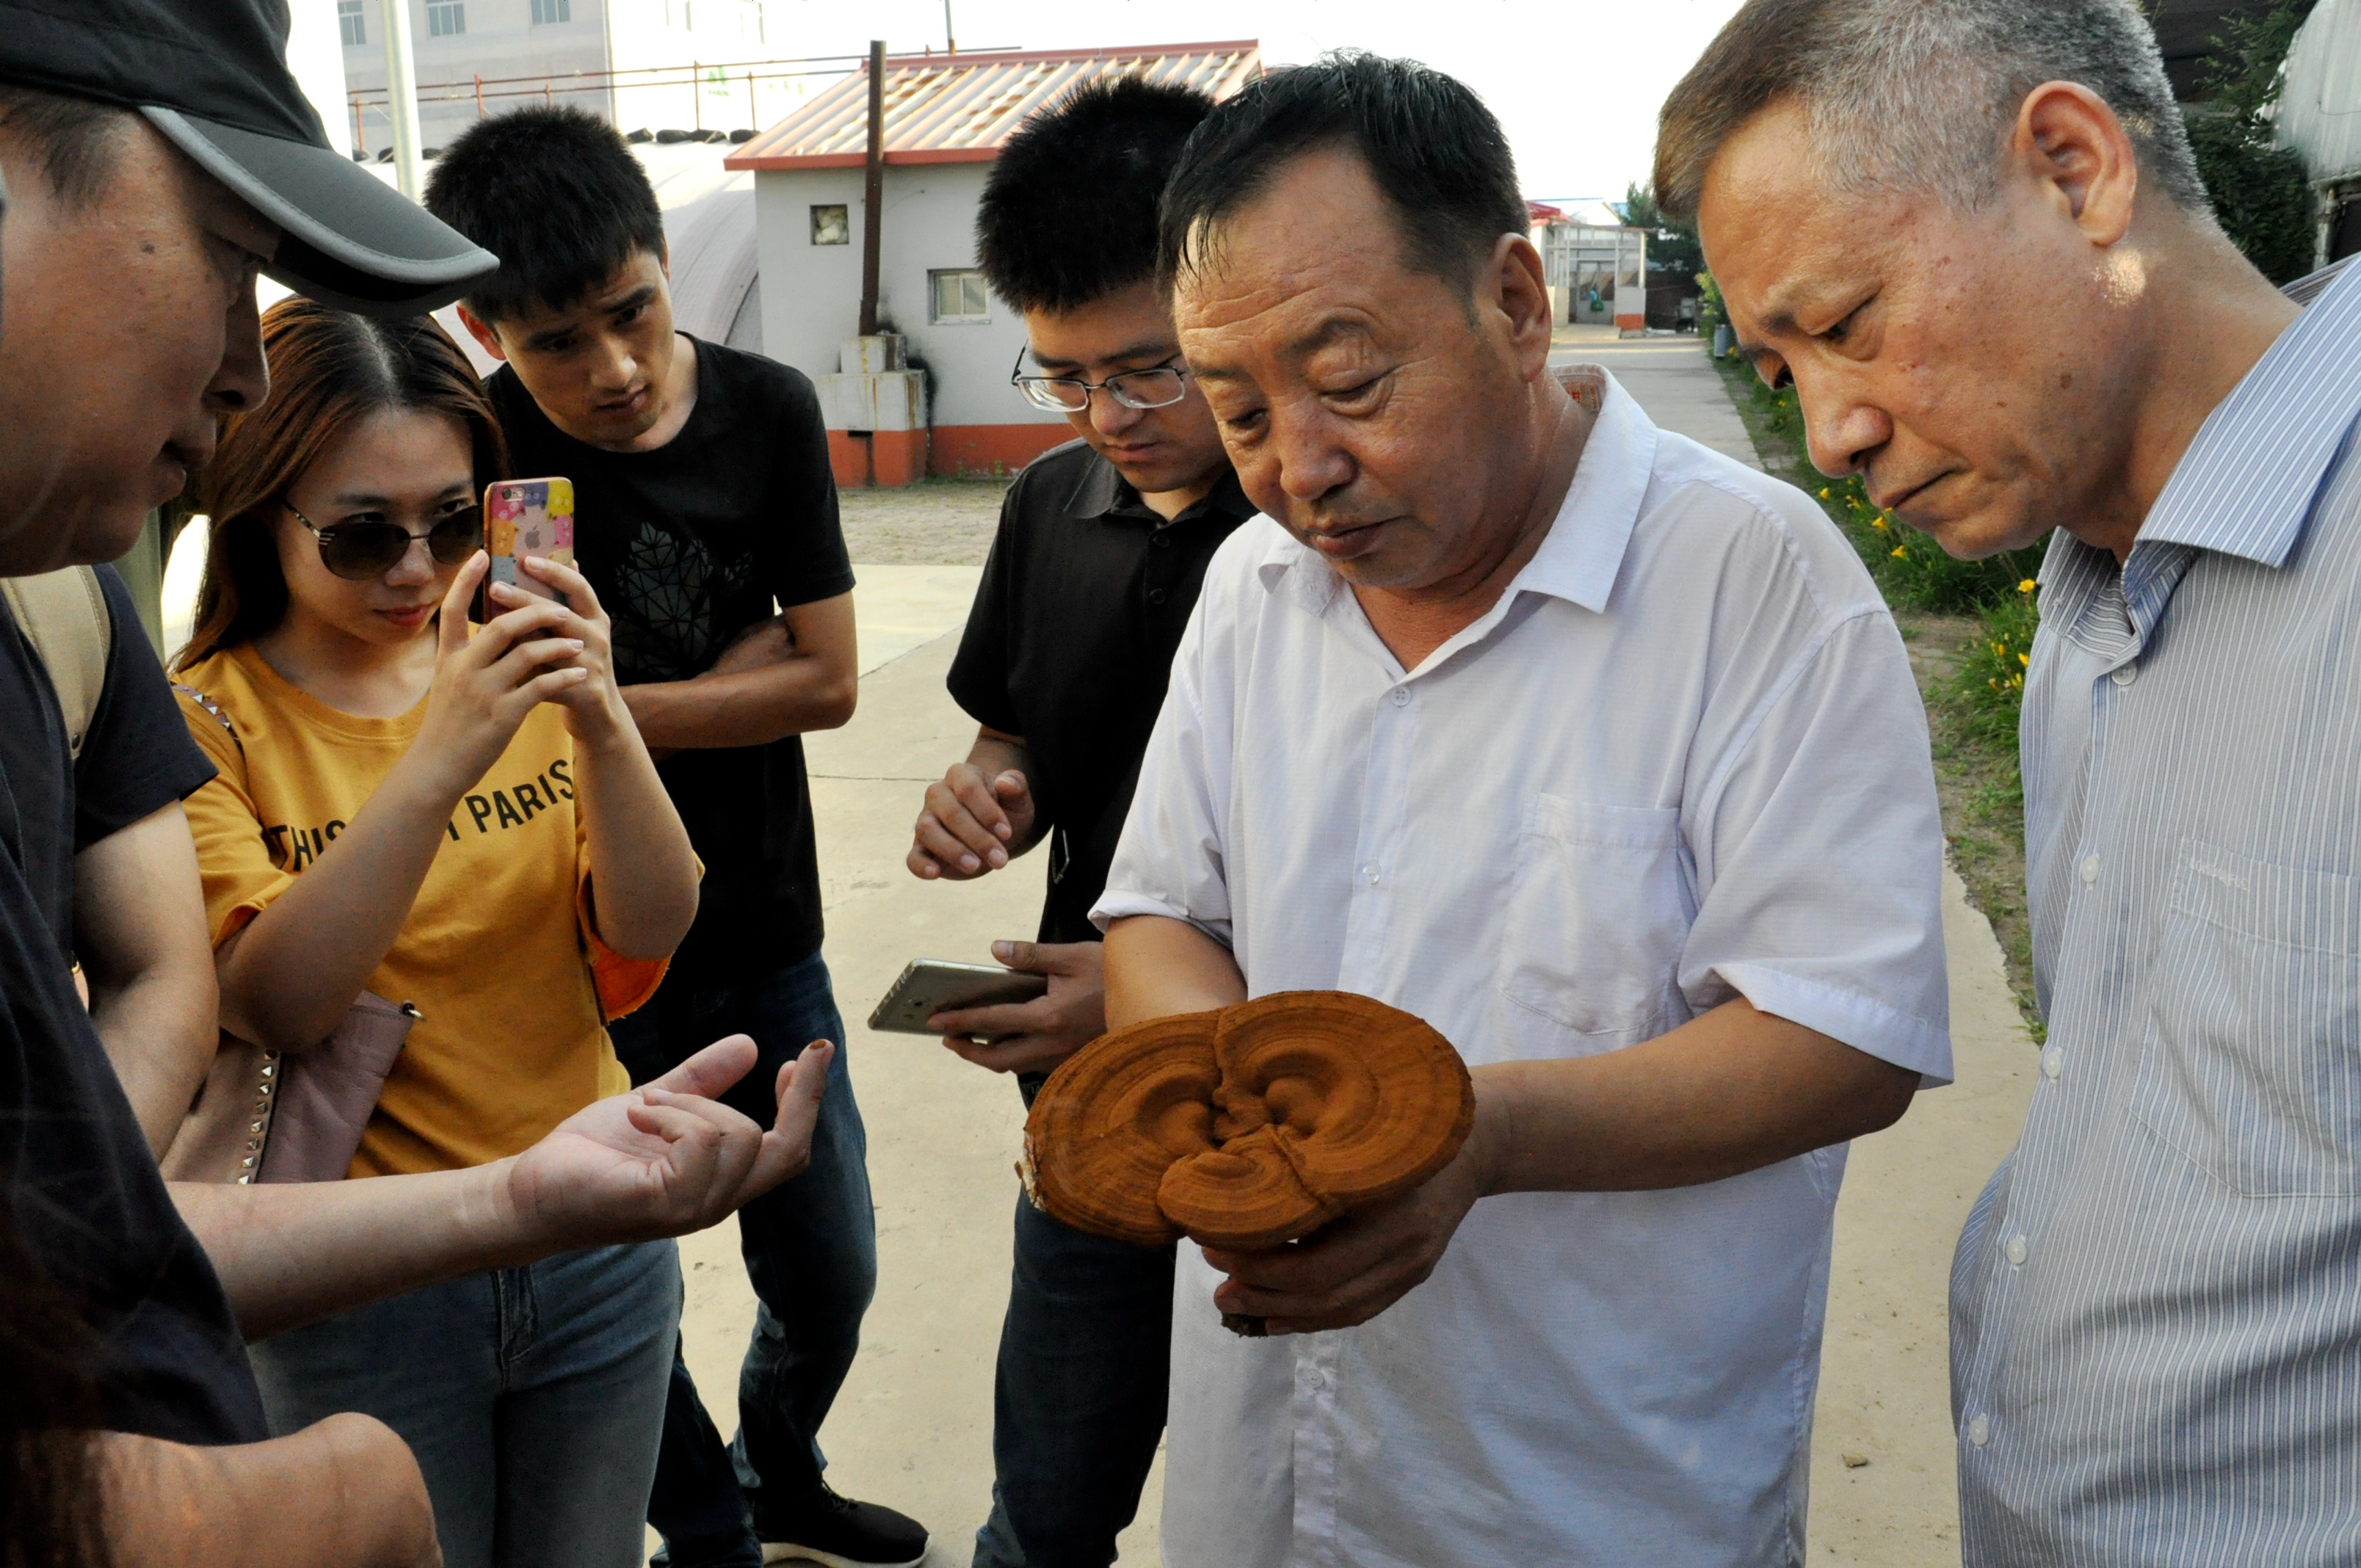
(82, 1193)
(686, 546)
(1071, 642)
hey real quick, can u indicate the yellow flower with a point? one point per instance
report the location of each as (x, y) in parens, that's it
(2025, 660)
(2000, 650)
(1824, 492)
(1877, 523)
(1901, 551)
(2027, 587)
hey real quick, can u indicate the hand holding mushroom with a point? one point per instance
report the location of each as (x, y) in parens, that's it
(1256, 1126)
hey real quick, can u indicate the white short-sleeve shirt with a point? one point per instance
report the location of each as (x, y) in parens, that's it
(1682, 759)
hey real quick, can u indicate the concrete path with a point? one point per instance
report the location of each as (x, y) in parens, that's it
(1672, 378)
(1883, 1487)
(913, 1425)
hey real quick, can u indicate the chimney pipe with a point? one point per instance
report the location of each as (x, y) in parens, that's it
(873, 200)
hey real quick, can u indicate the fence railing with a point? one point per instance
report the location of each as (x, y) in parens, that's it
(545, 85)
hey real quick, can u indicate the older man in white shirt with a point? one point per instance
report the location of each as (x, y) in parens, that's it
(1595, 749)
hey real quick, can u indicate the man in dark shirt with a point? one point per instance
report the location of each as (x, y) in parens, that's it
(1103, 546)
(129, 905)
(706, 519)
(134, 757)
(158, 154)
(171, 1362)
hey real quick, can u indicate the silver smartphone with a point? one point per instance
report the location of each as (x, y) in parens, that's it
(930, 986)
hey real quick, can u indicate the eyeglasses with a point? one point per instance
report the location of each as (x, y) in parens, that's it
(1157, 389)
(365, 548)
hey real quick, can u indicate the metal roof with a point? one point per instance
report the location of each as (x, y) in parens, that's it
(960, 108)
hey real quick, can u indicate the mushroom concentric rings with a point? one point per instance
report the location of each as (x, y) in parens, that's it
(1249, 1127)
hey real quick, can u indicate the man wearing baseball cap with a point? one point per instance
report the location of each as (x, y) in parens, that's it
(158, 156)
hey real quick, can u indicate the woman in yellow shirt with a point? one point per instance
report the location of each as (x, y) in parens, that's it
(463, 820)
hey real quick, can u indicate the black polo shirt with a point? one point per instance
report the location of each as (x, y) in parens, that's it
(1071, 644)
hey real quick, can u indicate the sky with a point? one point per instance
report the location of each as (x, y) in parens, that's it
(1577, 82)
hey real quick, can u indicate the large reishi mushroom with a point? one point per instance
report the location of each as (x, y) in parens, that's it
(1110, 1122)
(1314, 1103)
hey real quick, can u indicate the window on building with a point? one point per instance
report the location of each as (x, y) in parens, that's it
(349, 25)
(831, 224)
(546, 11)
(960, 295)
(446, 19)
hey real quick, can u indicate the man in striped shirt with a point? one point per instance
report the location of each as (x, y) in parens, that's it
(1971, 233)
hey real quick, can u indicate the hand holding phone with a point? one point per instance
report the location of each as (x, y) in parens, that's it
(528, 517)
(929, 986)
(1013, 1033)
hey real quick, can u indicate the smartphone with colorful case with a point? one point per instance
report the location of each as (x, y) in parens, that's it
(528, 517)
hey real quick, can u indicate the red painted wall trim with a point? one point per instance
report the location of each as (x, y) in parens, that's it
(883, 459)
(980, 450)
(889, 457)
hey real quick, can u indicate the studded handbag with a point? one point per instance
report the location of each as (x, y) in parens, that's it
(272, 1115)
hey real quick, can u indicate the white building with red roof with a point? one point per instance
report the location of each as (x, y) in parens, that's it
(946, 117)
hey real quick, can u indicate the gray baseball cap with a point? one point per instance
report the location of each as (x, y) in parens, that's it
(212, 76)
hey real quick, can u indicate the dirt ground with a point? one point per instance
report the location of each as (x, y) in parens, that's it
(936, 522)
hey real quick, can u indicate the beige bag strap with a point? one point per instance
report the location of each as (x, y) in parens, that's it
(63, 615)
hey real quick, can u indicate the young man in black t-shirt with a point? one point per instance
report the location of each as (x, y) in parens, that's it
(706, 518)
(1103, 546)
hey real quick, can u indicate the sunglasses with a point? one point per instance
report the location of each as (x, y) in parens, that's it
(366, 547)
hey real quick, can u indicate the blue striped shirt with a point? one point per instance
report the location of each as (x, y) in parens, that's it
(2155, 1352)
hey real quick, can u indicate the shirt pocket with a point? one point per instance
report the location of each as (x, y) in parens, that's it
(1598, 912)
(2251, 1065)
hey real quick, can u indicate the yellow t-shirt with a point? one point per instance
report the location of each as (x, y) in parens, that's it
(498, 953)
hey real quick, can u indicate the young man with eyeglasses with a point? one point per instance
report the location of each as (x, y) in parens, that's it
(1102, 543)
(706, 519)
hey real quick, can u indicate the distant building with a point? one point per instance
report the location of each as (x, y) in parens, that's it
(2319, 118)
(946, 118)
(651, 64)
(708, 218)
(1597, 270)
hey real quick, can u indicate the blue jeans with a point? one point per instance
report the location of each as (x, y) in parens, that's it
(810, 1246)
(532, 1397)
(1078, 1397)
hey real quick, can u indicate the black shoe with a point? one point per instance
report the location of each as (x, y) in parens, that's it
(842, 1533)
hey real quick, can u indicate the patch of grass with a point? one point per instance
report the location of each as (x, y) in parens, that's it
(1969, 626)
(1989, 689)
(1977, 780)
(1912, 570)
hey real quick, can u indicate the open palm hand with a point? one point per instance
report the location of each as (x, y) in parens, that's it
(668, 1158)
